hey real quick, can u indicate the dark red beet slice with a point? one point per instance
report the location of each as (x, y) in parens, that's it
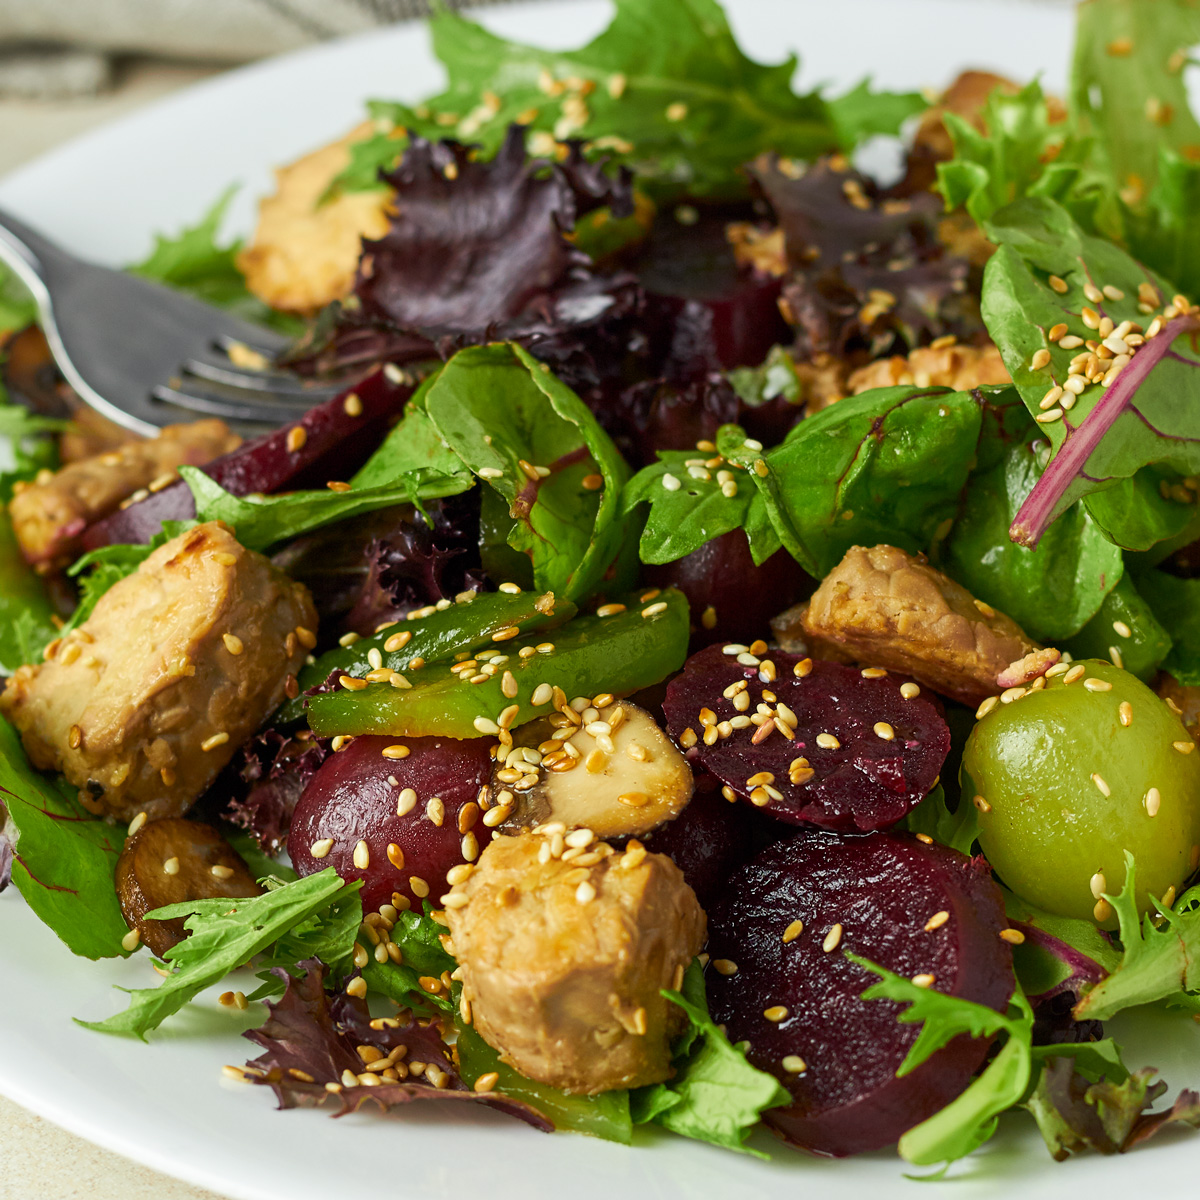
(352, 799)
(708, 841)
(883, 890)
(885, 754)
(730, 598)
(336, 444)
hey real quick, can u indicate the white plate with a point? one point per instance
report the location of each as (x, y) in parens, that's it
(166, 1104)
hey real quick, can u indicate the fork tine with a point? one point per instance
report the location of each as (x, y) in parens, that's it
(218, 404)
(219, 370)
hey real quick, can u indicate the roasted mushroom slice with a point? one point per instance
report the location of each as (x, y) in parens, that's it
(167, 862)
(615, 773)
(564, 947)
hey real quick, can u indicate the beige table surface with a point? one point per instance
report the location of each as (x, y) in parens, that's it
(39, 1161)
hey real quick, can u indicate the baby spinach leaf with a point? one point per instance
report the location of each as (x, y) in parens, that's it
(1161, 955)
(690, 505)
(1148, 416)
(884, 466)
(413, 445)
(1175, 604)
(262, 521)
(535, 443)
(664, 89)
(1051, 591)
(933, 817)
(1147, 643)
(225, 934)
(63, 858)
(970, 1120)
(715, 1096)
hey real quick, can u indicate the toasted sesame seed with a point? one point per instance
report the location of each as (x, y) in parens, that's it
(793, 931)
(1051, 398)
(131, 940)
(1152, 802)
(1012, 694)
(1102, 911)
(1101, 784)
(670, 482)
(418, 886)
(211, 743)
(406, 802)
(351, 684)
(793, 1064)
(1048, 418)
(1076, 672)
(357, 988)
(937, 921)
(397, 751)
(506, 634)
(490, 472)
(353, 405)
(873, 672)
(884, 730)
(832, 939)
(585, 893)
(1184, 747)
(171, 866)
(137, 823)
(986, 707)
(221, 872)
(724, 966)
(1098, 885)
(827, 741)
(362, 856)
(469, 847)
(1014, 937)
(776, 1013)
(981, 803)
(924, 980)
(487, 727)
(1056, 332)
(1058, 284)
(1125, 712)
(653, 610)
(1040, 359)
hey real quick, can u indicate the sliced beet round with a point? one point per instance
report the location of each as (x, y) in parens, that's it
(843, 749)
(915, 909)
(397, 823)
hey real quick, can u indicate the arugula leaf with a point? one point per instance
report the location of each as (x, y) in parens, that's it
(887, 465)
(1161, 955)
(1148, 643)
(64, 858)
(26, 614)
(970, 1120)
(1147, 416)
(862, 113)
(225, 934)
(715, 1095)
(262, 521)
(507, 417)
(1051, 591)
(328, 935)
(664, 89)
(689, 509)
(1175, 604)
(1022, 153)
(192, 261)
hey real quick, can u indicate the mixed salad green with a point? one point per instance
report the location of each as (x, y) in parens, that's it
(588, 472)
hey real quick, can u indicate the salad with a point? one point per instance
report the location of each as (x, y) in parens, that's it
(728, 655)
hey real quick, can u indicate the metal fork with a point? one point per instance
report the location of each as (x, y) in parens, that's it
(144, 354)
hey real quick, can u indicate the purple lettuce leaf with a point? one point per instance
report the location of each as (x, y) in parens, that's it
(311, 1045)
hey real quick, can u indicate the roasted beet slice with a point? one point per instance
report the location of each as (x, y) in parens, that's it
(732, 599)
(915, 909)
(398, 824)
(859, 753)
(339, 436)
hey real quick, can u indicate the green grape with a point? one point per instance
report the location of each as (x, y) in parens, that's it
(1069, 777)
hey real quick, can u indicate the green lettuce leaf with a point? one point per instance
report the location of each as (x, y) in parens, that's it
(888, 465)
(64, 857)
(505, 415)
(933, 818)
(194, 261)
(970, 1120)
(665, 89)
(715, 1096)
(693, 507)
(26, 614)
(225, 934)
(775, 376)
(262, 521)
(1160, 955)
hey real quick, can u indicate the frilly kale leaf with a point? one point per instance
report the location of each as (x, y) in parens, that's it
(224, 935)
(1161, 955)
(970, 1120)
